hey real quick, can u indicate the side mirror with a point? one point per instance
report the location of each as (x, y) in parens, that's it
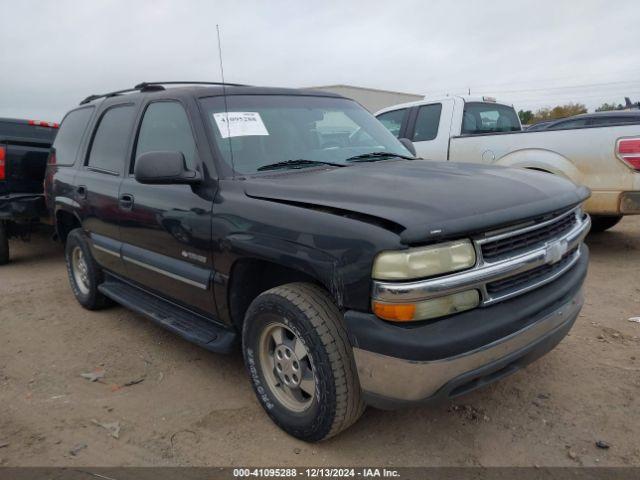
(408, 144)
(164, 168)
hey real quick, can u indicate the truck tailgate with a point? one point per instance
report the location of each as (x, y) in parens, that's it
(24, 166)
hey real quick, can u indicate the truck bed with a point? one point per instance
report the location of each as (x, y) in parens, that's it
(584, 155)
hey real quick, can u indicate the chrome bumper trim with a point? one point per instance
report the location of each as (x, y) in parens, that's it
(405, 380)
(487, 272)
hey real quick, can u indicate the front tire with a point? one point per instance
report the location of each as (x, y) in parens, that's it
(600, 223)
(84, 273)
(4, 244)
(300, 361)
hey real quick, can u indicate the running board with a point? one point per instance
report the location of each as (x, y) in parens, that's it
(190, 326)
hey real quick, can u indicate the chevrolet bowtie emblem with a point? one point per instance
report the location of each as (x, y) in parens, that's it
(555, 251)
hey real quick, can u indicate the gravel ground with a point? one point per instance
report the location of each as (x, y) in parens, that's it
(193, 407)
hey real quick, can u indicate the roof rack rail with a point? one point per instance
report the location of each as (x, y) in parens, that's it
(152, 86)
(146, 84)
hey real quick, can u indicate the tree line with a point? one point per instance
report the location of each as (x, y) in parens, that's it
(527, 117)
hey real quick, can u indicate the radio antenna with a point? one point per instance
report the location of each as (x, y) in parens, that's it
(224, 97)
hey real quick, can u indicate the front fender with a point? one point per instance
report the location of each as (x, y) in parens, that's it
(313, 262)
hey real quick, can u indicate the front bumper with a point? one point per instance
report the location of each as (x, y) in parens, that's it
(452, 356)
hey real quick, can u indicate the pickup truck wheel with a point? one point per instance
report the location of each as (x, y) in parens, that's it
(300, 361)
(84, 273)
(600, 223)
(4, 244)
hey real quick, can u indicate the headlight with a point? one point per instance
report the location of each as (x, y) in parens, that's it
(424, 261)
(427, 309)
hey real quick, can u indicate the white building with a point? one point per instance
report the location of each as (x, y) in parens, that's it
(370, 98)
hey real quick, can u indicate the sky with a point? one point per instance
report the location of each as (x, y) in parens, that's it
(531, 54)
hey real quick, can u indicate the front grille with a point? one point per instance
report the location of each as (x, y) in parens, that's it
(531, 276)
(520, 242)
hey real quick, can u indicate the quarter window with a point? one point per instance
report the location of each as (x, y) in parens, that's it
(165, 128)
(393, 120)
(427, 122)
(110, 142)
(68, 140)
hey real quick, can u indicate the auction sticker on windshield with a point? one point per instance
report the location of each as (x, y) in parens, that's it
(240, 124)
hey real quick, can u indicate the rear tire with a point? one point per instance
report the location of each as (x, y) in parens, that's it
(300, 361)
(600, 223)
(4, 244)
(84, 273)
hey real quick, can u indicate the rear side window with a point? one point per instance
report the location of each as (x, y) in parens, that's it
(576, 123)
(393, 120)
(427, 122)
(614, 120)
(480, 117)
(70, 136)
(109, 146)
(165, 127)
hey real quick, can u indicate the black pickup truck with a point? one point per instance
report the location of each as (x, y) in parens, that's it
(291, 223)
(24, 147)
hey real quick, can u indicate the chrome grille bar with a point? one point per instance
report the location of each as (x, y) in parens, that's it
(485, 272)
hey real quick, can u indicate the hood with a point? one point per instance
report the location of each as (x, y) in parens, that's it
(430, 200)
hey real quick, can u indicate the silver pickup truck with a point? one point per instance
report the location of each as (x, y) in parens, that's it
(479, 130)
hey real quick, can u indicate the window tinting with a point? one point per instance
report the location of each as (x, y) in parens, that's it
(576, 123)
(165, 127)
(393, 120)
(427, 122)
(109, 146)
(71, 131)
(482, 117)
(605, 120)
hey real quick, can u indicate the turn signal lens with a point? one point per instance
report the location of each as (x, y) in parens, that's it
(427, 309)
(396, 312)
(424, 261)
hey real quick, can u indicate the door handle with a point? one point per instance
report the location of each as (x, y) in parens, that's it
(82, 191)
(126, 201)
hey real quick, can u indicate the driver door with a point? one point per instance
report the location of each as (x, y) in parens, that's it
(166, 229)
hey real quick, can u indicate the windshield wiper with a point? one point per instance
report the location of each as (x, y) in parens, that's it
(298, 163)
(375, 156)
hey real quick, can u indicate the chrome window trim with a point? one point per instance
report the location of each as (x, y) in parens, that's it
(486, 272)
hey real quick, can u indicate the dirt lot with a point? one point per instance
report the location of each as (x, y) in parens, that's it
(197, 408)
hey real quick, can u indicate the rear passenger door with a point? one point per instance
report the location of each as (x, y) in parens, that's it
(98, 181)
(166, 229)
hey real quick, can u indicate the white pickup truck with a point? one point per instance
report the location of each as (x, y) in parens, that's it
(478, 130)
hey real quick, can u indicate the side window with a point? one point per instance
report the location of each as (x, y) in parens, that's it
(165, 127)
(109, 146)
(393, 120)
(427, 122)
(613, 120)
(577, 123)
(70, 135)
(486, 117)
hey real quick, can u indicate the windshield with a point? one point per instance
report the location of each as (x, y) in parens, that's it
(262, 130)
(482, 117)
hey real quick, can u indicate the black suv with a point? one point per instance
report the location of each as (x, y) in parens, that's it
(292, 223)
